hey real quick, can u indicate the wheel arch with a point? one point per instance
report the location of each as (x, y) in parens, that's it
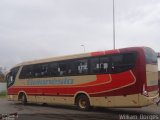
(20, 94)
(81, 93)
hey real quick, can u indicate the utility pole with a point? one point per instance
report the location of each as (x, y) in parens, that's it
(114, 44)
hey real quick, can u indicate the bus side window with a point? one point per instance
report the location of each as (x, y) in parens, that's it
(122, 62)
(104, 64)
(94, 65)
(116, 63)
(30, 72)
(82, 66)
(44, 70)
(37, 71)
(26, 72)
(71, 68)
(53, 69)
(62, 68)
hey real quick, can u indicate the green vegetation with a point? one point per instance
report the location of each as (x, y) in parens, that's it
(3, 94)
(2, 77)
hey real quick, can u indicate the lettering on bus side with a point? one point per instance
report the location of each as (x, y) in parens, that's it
(65, 81)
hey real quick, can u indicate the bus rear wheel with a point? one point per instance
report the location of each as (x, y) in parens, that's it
(24, 99)
(83, 103)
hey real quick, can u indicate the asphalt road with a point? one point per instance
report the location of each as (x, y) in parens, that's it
(56, 112)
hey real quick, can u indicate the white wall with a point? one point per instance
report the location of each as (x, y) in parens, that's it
(2, 86)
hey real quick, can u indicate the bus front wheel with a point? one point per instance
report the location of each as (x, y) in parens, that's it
(24, 99)
(83, 103)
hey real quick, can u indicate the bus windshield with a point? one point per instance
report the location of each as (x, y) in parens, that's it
(151, 57)
(11, 76)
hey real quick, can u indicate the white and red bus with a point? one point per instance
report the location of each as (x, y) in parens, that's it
(125, 77)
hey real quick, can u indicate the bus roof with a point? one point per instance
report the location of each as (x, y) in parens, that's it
(74, 56)
(57, 58)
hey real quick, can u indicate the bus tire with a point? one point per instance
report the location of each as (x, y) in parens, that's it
(83, 103)
(24, 99)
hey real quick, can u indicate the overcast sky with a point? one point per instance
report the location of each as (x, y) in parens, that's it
(33, 29)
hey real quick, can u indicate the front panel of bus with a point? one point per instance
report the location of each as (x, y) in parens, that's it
(10, 79)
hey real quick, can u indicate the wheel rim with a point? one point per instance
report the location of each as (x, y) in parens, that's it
(82, 103)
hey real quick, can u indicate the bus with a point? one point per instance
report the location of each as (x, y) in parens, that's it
(126, 77)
